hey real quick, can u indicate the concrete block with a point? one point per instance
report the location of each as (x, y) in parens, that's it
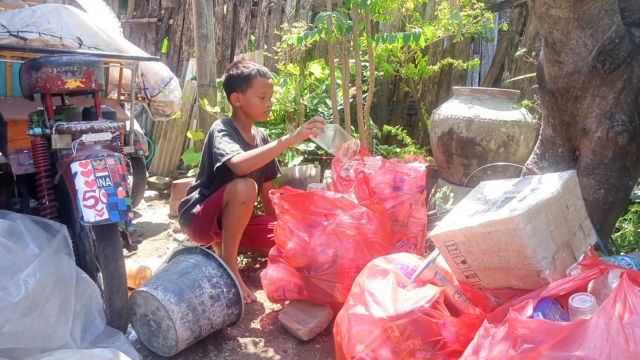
(305, 320)
(159, 183)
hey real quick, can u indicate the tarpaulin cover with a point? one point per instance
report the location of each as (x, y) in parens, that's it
(50, 309)
(67, 27)
(386, 316)
(613, 332)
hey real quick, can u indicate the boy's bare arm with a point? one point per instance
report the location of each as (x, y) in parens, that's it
(245, 163)
(266, 200)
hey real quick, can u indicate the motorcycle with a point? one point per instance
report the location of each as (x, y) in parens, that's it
(82, 170)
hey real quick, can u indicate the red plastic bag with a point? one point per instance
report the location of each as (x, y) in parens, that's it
(612, 333)
(323, 240)
(397, 186)
(388, 317)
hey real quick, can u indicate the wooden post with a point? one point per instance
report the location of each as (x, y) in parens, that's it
(261, 24)
(115, 5)
(203, 26)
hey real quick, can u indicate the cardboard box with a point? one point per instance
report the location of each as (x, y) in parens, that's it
(516, 233)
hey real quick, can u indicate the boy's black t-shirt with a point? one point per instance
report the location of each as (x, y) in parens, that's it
(223, 142)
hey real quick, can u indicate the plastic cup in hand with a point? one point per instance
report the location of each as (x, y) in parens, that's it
(332, 138)
(316, 187)
(582, 306)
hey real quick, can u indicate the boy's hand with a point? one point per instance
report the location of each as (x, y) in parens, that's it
(313, 127)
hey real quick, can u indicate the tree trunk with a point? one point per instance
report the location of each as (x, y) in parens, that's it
(589, 83)
(356, 56)
(203, 25)
(332, 66)
(346, 87)
(372, 70)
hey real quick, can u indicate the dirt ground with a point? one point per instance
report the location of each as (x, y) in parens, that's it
(258, 335)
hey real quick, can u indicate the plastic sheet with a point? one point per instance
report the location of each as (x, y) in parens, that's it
(386, 316)
(612, 332)
(47, 303)
(397, 186)
(60, 26)
(323, 240)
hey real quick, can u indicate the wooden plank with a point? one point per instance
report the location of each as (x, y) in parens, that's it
(169, 136)
(261, 24)
(276, 13)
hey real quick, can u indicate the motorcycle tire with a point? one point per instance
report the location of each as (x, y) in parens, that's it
(139, 180)
(112, 274)
(98, 252)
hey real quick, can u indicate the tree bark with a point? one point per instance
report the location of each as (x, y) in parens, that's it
(261, 24)
(203, 25)
(355, 15)
(332, 66)
(372, 71)
(589, 83)
(346, 86)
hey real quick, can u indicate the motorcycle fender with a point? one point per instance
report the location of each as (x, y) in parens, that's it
(99, 185)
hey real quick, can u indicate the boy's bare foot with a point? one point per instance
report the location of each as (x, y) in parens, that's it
(247, 295)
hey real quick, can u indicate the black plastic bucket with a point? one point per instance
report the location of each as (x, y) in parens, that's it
(193, 295)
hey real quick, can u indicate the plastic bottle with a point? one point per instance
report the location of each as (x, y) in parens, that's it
(137, 274)
(629, 261)
(549, 309)
(602, 287)
(454, 296)
(582, 306)
(316, 187)
(327, 180)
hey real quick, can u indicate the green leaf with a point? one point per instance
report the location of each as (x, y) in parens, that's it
(165, 45)
(406, 38)
(321, 18)
(316, 70)
(195, 135)
(191, 157)
(194, 171)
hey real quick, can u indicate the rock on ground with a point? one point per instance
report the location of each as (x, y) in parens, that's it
(305, 320)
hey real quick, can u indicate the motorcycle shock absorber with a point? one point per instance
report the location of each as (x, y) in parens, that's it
(121, 142)
(44, 179)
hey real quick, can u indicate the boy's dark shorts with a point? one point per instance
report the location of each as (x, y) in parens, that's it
(205, 226)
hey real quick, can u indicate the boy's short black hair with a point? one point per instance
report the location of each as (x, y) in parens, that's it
(240, 74)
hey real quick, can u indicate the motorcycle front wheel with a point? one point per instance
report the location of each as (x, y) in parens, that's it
(112, 274)
(98, 252)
